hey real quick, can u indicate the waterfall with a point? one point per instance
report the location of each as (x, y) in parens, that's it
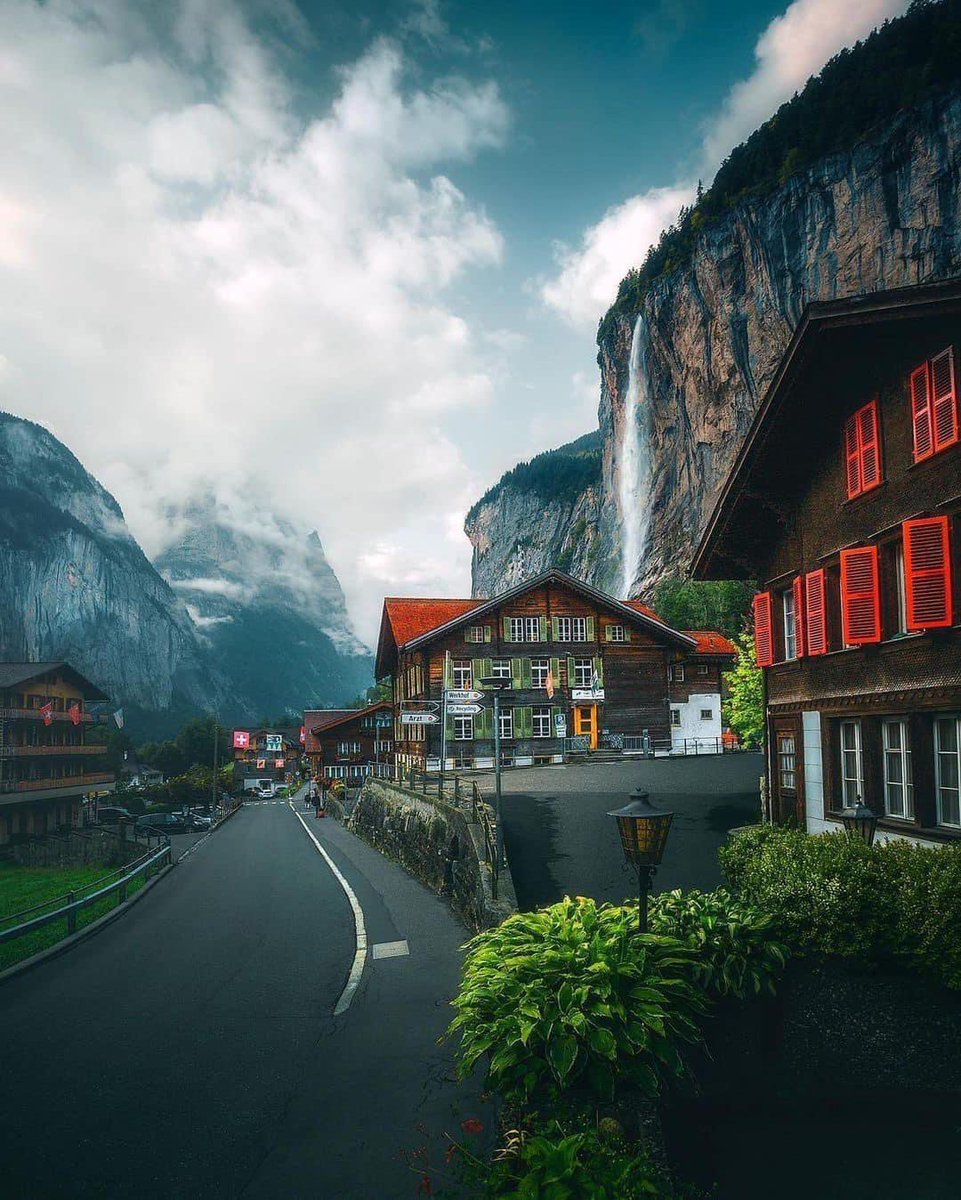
(634, 462)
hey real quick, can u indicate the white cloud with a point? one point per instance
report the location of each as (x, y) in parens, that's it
(793, 47)
(203, 292)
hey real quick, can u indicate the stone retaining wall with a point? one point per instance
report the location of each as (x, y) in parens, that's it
(78, 849)
(437, 843)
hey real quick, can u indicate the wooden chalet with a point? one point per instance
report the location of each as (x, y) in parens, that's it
(346, 743)
(272, 754)
(845, 501)
(48, 768)
(580, 664)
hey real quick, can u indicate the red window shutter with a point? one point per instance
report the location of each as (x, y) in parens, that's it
(944, 400)
(799, 638)
(869, 445)
(852, 459)
(763, 629)
(927, 573)
(860, 596)
(815, 588)
(921, 414)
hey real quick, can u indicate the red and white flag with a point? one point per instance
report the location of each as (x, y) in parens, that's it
(74, 711)
(279, 763)
(241, 739)
(47, 713)
(303, 734)
(550, 684)
(261, 764)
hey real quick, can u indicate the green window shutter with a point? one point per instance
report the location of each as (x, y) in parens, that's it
(607, 633)
(523, 722)
(467, 629)
(448, 671)
(591, 626)
(526, 681)
(627, 633)
(484, 724)
(599, 668)
(479, 668)
(555, 630)
(517, 673)
(570, 674)
(543, 629)
(488, 633)
(506, 628)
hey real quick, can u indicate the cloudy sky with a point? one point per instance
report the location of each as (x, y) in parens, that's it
(344, 261)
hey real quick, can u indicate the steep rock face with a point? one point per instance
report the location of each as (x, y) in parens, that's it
(75, 585)
(268, 604)
(883, 215)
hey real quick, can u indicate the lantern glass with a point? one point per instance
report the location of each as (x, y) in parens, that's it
(643, 830)
(861, 821)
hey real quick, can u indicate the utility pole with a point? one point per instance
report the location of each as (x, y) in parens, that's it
(213, 783)
(443, 716)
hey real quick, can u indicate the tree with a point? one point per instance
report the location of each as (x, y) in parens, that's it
(116, 745)
(166, 758)
(721, 605)
(744, 708)
(196, 741)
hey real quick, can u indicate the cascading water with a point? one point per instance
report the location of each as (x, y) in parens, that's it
(634, 461)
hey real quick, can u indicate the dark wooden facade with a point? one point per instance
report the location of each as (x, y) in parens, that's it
(607, 664)
(864, 700)
(344, 743)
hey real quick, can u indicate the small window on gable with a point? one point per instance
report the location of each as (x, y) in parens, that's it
(862, 450)
(934, 405)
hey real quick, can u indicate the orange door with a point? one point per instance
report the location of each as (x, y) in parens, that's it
(585, 722)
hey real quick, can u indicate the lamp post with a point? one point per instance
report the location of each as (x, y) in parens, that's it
(643, 830)
(497, 685)
(860, 820)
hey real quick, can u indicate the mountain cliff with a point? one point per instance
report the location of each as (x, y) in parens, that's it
(267, 603)
(718, 299)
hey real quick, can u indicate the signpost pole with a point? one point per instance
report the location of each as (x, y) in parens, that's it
(443, 730)
(499, 851)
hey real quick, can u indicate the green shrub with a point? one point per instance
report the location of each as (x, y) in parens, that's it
(573, 994)
(832, 894)
(738, 954)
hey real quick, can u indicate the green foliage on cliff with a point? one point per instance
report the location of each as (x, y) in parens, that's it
(687, 604)
(896, 68)
(561, 475)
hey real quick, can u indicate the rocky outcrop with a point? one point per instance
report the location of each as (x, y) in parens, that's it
(882, 215)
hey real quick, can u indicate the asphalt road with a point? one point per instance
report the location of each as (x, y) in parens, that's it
(560, 841)
(189, 1049)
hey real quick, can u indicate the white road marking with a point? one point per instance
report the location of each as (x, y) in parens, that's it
(360, 928)
(390, 950)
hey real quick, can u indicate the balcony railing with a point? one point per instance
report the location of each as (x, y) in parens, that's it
(88, 779)
(63, 751)
(38, 715)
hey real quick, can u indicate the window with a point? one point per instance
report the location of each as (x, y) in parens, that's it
(934, 405)
(787, 761)
(571, 629)
(476, 633)
(707, 714)
(901, 621)
(540, 669)
(862, 450)
(675, 716)
(764, 629)
(463, 729)
(563, 629)
(523, 629)
(676, 673)
(947, 753)
(790, 632)
(541, 722)
(462, 674)
(506, 716)
(860, 596)
(615, 633)
(898, 782)
(852, 775)
(345, 748)
(583, 672)
(501, 668)
(702, 669)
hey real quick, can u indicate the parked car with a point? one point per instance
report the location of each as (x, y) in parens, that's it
(200, 820)
(112, 814)
(161, 822)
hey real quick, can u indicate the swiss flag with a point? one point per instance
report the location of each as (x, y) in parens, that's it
(241, 739)
(303, 734)
(47, 713)
(74, 711)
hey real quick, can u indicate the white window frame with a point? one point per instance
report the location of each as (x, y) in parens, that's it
(583, 675)
(897, 768)
(675, 718)
(532, 629)
(463, 729)
(540, 669)
(703, 668)
(578, 629)
(707, 714)
(564, 629)
(675, 673)
(475, 634)
(501, 668)
(940, 759)
(852, 783)
(383, 747)
(506, 717)
(790, 629)
(541, 722)
(345, 748)
(786, 762)
(462, 673)
(516, 629)
(615, 633)
(901, 589)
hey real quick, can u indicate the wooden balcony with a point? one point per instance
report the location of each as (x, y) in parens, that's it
(36, 751)
(88, 779)
(36, 715)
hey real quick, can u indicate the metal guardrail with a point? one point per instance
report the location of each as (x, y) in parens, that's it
(143, 866)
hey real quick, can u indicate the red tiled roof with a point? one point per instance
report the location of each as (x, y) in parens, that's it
(709, 642)
(641, 607)
(411, 617)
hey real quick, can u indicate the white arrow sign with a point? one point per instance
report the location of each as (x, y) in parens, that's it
(464, 710)
(462, 695)
(419, 718)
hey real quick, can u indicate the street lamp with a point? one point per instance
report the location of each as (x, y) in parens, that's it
(497, 685)
(860, 820)
(643, 830)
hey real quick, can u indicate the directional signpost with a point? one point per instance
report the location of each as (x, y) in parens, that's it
(464, 710)
(419, 718)
(462, 695)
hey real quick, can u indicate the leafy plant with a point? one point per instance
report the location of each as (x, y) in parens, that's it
(743, 710)
(737, 951)
(573, 994)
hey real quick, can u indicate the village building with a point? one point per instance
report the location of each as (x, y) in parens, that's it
(844, 502)
(346, 743)
(48, 767)
(272, 754)
(577, 664)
